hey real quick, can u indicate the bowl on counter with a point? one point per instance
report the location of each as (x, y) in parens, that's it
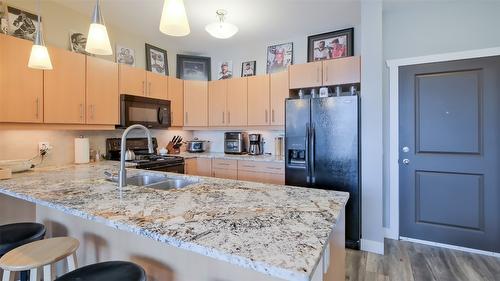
(196, 145)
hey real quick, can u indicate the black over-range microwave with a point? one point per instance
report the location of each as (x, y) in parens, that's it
(152, 113)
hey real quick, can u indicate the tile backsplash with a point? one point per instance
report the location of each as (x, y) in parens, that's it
(216, 139)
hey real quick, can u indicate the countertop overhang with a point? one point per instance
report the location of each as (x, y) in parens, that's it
(277, 230)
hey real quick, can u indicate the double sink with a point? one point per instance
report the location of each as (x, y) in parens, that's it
(155, 181)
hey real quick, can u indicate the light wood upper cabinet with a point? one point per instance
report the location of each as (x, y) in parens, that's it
(342, 71)
(156, 85)
(279, 92)
(236, 102)
(195, 103)
(176, 96)
(217, 91)
(258, 100)
(64, 88)
(132, 80)
(306, 75)
(21, 88)
(102, 99)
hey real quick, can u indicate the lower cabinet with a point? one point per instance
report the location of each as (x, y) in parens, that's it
(263, 172)
(225, 169)
(198, 167)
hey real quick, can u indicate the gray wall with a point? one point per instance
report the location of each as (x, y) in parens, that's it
(421, 28)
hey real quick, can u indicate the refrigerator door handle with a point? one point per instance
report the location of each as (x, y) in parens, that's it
(308, 172)
(313, 151)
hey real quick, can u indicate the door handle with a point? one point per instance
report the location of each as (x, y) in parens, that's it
(149, 88)
(186, 118)
(37, 104)
(143, 88)
(406, 149)
(229, 117)
(272, 116)
(326, 74)
(317, 74)
(307, 154)
(313, 140)
(406, 162)
(223, 117)
(266, 115)
(81, 111)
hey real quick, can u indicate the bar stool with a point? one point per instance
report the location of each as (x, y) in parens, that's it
(17, 234)
(109, 271)
(38, 254)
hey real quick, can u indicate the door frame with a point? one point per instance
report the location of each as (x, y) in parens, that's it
(392, 231)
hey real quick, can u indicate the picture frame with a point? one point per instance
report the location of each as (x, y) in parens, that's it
(279, 57)
(225, 70)
(22, 24)
(78, 42)
(125, 55)
(156, 60)
(193, 67)
(330, 45)
(248, 68)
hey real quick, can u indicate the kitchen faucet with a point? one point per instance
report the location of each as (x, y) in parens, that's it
(122, 176)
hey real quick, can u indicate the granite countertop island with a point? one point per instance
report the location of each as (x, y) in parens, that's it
(280, 231)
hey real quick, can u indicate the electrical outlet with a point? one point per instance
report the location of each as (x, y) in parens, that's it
(44, 147)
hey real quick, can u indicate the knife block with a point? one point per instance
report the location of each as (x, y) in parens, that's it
(172, 150)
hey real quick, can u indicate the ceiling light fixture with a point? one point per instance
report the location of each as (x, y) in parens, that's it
(39, 57)
(174, 21)
(221, 29)
(97, 39)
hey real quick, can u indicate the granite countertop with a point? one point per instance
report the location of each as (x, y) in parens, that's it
(280, 231)
(220, 155)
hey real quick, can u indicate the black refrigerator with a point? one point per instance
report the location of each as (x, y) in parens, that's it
(322, 150)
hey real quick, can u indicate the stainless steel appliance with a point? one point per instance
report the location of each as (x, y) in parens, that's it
(196, 145)
(149, 112)
(322, 151)
(256, 146)
(235, 142)
(143, 158)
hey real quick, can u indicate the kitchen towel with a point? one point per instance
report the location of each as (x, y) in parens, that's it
(82, 152)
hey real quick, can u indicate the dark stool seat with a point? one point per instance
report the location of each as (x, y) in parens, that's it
(18, 234)
(109, 271)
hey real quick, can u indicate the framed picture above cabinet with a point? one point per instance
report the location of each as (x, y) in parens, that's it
(330, 45)
(156, 60)
(193, 68)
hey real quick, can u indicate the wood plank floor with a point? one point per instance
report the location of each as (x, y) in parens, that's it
(406, 261)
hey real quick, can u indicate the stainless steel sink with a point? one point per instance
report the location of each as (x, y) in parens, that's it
(155, 181)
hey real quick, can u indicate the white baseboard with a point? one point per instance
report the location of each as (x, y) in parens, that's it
(391, 233)
(372, 246)
(453, 247)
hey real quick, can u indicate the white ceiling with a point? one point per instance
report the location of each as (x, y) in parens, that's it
(262, 20)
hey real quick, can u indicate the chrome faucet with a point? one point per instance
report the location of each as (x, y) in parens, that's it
(122, 177)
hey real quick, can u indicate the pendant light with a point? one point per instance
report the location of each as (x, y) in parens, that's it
(39, 57)
(221, 29)
(97, 39)
(174, 21)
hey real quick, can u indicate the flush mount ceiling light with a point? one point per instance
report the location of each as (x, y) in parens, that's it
(39, 57)
(174, 21)
(221, 29)
(97, 39)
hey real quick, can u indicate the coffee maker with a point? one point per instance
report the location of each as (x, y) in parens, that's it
(256, 144)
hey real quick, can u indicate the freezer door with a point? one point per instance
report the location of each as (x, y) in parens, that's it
(297, 120)
(335, 153)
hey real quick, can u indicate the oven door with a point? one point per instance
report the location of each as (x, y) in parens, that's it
(171, 168)
(152, 113)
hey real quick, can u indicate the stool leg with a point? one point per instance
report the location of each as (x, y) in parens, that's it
(72, 262)
(7, 276)
(47, 273)
(34, 274)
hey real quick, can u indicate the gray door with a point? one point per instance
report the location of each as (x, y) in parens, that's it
(450, 152)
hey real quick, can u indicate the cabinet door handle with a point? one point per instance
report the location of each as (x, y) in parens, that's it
(171, 117)
(91, 108)
(317, 74)
(143, 88)
(223, 117)
(81, 111)
(272, 115)
(186, 118)
(326, 74)
(229, 117)
(37, 111)
(149, 88)
(266, 115)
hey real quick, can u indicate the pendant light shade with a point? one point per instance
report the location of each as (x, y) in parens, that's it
(39, 57)
(98, 39)
(221, 29)
(174, 21)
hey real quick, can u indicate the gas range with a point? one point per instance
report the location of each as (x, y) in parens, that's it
(143, 159)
